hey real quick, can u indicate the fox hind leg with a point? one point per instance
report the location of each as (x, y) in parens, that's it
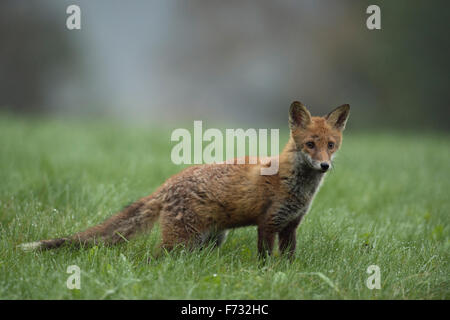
(177, 232)
(216, 238)
(221, 237)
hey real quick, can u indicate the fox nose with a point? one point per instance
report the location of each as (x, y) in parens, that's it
(324, 166)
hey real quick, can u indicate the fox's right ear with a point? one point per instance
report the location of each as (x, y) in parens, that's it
(299, 116)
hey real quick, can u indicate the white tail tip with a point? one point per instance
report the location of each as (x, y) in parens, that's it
(30, 246)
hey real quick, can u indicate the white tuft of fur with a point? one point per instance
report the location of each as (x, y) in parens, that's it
(30, 246)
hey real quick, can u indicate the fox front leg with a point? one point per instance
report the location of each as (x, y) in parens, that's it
(287, 238)
(268, 227)
(266, 239)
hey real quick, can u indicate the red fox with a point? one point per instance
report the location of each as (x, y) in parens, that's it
(198, 205)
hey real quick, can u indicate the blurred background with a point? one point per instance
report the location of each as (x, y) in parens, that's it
(239, 62)
(86, 118)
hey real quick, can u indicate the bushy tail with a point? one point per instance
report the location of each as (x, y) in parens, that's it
(137, 217)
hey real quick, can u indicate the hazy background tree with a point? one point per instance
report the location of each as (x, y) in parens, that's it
(34, 55)
(228, 61)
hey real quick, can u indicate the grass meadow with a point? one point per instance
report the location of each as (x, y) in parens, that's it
(386, 203)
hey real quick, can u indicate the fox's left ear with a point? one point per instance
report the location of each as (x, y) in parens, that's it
(338, 117)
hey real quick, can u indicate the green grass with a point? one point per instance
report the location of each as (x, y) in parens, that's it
(386, 203)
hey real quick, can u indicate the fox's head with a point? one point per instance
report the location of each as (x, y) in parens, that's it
(317, 138)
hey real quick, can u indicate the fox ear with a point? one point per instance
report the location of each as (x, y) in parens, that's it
(299, 116)
(338, 117)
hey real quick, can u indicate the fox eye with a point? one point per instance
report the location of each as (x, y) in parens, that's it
(330, 145)
(310, 144)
